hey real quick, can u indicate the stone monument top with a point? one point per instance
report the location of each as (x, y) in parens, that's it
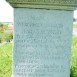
(45, 4)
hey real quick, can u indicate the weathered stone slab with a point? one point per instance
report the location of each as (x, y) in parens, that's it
(42, 43)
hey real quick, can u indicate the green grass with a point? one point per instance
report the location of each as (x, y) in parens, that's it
(74, 57)
(5, 60)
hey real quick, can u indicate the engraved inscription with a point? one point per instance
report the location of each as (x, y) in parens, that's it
(41, 45)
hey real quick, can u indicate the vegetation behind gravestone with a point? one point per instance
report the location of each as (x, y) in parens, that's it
(75, 25)
(1, 36)
(7, 37)
(75, 19)
(4, 36)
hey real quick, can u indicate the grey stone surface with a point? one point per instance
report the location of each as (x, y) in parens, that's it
(42, 43)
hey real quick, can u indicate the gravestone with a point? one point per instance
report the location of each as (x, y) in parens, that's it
(42, 37)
